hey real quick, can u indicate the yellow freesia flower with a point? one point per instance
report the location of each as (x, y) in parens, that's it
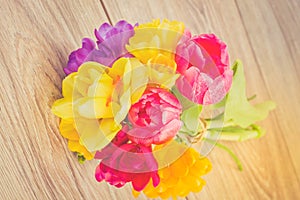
(95, 100)
(155, 37)
(162, 71)
(68, 131)
(180, 177)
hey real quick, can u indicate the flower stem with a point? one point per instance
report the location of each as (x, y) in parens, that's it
(235, 158)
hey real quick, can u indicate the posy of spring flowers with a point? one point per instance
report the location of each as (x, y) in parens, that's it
(141, 98)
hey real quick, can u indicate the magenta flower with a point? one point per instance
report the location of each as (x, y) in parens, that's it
(111, 41)
(76, 58)
(122, 163)
(203, 62)
(155, 117)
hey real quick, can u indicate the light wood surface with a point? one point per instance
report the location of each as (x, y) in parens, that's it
(36, 37)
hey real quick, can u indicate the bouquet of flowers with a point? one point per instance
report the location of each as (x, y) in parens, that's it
(149, 101)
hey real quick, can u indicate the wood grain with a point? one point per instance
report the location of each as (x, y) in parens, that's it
(36, 38)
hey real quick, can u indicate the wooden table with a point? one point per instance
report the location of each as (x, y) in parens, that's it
(36, 37)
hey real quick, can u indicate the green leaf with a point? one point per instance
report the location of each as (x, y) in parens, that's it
(185, 103)
(238, 109)
(236, 133)
(191, 119)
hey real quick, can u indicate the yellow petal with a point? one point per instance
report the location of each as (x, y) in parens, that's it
(117, 69)
(172, 181)
(63, 108)
(181, 189)
(160, 76)
(130, 83)
(88, 73)
(91, 69)
(201, 167)
(94, 108)
(166, 194)
(109, 127)
(75, 146)
(139, 82)
(182, 176)
(68, 130)
(153, 194)
(179, 168)
(198, 185)
(162, 71)
(68, 85)
(168, 153)
(189, 158)
(102, 88)
(164, 61)
(135, 193)
(120, 112)
(155, 37)
(164, 173)
(162, 187)
(95, 135)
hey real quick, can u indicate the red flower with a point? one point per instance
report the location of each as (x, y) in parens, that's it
(122, 163)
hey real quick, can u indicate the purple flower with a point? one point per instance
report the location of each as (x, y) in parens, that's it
(76, 58)
(111, 41)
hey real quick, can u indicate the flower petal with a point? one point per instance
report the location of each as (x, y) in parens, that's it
(140, 181)
(94, 108)
(63, 108)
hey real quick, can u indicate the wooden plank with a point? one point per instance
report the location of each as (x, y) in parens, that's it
(276, 60)
(289, 24)
(36, 38)
(255, 35)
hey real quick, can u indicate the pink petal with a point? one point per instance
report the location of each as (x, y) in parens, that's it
(168, 115)
(140, 181)
(168, 131)
(155, 179)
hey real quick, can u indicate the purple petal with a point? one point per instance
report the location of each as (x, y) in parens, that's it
(76, 58)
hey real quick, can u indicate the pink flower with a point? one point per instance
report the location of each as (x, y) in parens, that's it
(203, 62)
(122, 163)
(155, 117)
